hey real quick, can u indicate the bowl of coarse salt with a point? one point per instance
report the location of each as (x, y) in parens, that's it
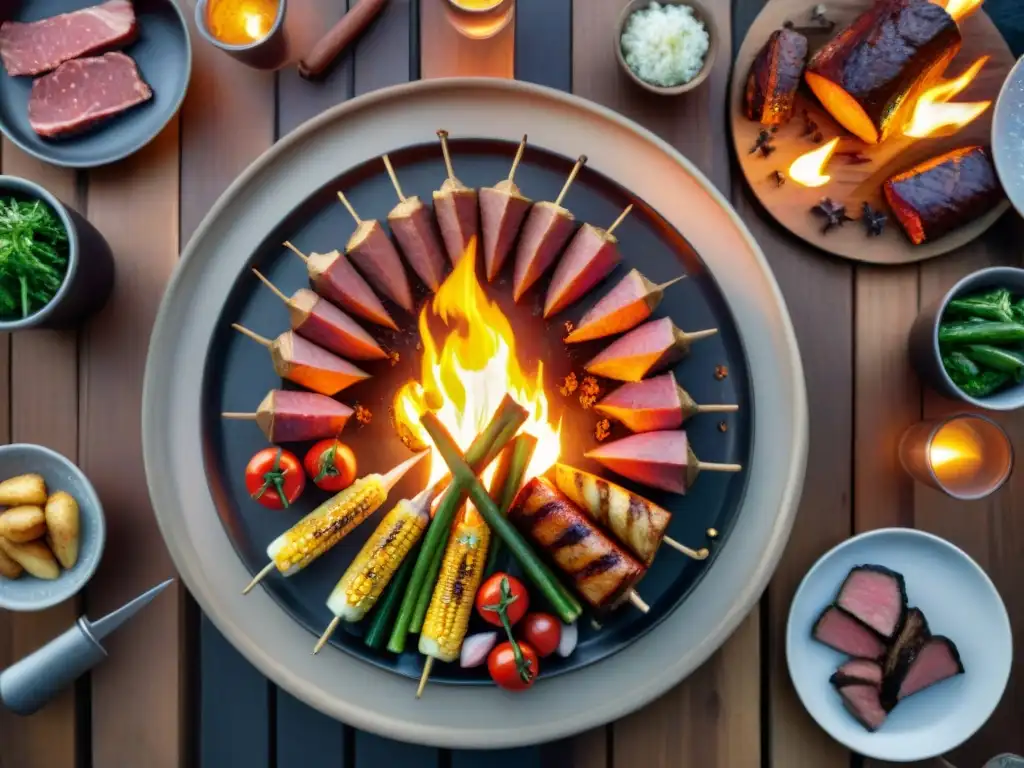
(666, 47)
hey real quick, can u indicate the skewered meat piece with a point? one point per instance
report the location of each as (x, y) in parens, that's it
(455, 206)
(871, 73)
(412, 224)
(502, 210)
(774, 78)
(373, 253)
(591, 256)
(336, 280)
(545, 233)
(625, 306)
(602, 571)
(944, 193)
(649, 348)
(316, 319)
(837, 629)
(306, 364)
(654, 404)
(286, 416)
(875, 596)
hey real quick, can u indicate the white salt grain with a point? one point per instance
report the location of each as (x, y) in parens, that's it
(665, 45)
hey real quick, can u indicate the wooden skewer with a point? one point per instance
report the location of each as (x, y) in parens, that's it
(696, 554)
(518, 157)
(717, 408)
(670, 283)
(239, 416)
(698, 335)
(426, 674)
(712, 467)
(572, 177)
(638, 602)
(259, 577)
(349, 208)
(277, 291)
(252, 335)
(326, 635)
(619, 220)
(443, 136)
(296, 251)
(394, 178)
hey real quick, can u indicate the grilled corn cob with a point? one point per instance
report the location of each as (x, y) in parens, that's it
(452, 602)
(364, 581)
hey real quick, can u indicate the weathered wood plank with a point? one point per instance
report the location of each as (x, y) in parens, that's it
(543, 42)
(382, 55)
(372, 751)
(308, 739)
(137, 706)
(444, 52)
(524, 757)
(44, 409)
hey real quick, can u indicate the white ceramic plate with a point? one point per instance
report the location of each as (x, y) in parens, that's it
(1008, 136)
(959, 601)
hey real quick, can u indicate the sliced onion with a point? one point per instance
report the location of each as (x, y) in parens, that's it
(475, 649)
(567, 642)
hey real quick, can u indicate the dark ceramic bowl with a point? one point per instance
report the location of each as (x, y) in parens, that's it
(924, 339)
(90, 273)
(268, 53)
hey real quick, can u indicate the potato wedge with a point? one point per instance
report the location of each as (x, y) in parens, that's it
(62, 523)
(23, 489)
(9, 569)
(21, 524)
(34, 556)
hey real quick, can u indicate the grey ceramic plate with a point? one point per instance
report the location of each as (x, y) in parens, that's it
(163, 54)
(250, 213)
(1008, 136)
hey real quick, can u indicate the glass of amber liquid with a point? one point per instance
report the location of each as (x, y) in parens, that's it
(480, 19)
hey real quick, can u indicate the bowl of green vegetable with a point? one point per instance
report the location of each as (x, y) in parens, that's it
(970, 344)
(55, 267)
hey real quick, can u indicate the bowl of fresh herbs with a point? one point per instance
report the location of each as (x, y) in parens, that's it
(55, 267)
(970, 344)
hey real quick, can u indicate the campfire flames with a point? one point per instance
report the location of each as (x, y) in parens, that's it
(465, 377)
(961, 9)
(808, 168)
(934, 112)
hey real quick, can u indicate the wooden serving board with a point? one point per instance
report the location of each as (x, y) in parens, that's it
(853, 184)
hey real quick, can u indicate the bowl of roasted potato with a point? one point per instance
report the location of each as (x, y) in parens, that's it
(52, 529)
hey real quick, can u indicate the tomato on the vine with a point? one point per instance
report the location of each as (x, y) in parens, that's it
(489, 595)
(507, 673)
(542, 631)
(274, 478)
(331, 465)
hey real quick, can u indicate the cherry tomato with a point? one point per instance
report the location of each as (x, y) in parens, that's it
(542, 631)
(274, 478)
(331, 465)
(501, 663)
(489, 596)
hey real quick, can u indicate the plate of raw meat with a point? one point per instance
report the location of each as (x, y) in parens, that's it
(83, 83)
(898, 644)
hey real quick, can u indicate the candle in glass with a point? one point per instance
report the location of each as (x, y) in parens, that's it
(241, 22)
(480, 19)
(967, 456)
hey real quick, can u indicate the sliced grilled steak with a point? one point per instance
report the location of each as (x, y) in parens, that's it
(900, 655)
(937, 660)
(862, 701)
(858, 671)
(837, 629)
(875, 596)
(83, 92)
(39, 46)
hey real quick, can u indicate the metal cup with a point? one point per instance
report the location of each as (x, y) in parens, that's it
(269, 53)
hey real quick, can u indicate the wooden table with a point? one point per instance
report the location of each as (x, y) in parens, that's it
(174, 693)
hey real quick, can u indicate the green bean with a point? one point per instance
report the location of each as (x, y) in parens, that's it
(997, 358)
(988, 383)
(980, 333)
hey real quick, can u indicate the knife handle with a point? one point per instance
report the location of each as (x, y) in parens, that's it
(338, 37)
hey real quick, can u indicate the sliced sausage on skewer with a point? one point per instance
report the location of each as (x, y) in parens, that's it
(373, 253)
(413, 226)
(625, 306)
(308, 365)
(545, 233)
(590, 257)
(654, 404)
(336, 280)
(649, 348)
(287, 416)
(455, 206)
(502, 210)
(323, 323)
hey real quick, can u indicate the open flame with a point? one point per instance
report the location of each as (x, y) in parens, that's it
(960, 9)
(465, 379)
(807, 169)
(934, 111)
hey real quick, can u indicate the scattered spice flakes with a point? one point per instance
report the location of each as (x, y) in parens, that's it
(818, 17)
(363, 414)
(568, 385)
(853, 158)
(602, 430)
(810, 126)
(723, 427)
(777, 177)
(874, 221)
(589, 392)
(570, 326)
(721, 371)
(834, 214)
(818, 137)
(763, 143)
(394, 357)
(419, 346)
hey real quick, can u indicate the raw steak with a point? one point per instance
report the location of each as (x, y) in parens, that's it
(39, 46)
(83, 92)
